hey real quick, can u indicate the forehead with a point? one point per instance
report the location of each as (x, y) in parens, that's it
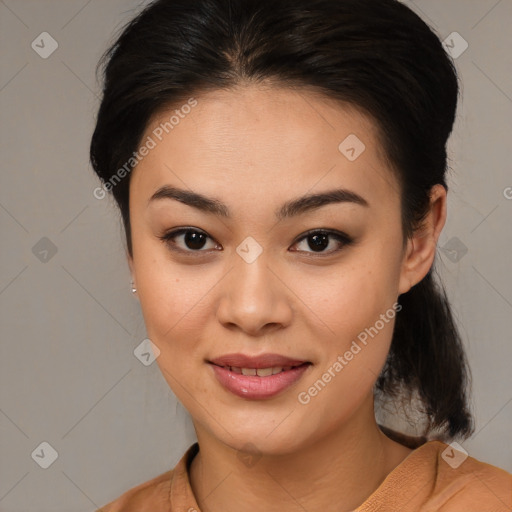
(266, 140)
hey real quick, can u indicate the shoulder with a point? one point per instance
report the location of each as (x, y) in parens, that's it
(169, 489)
(465, 483)
(150, 496)
(437, 477)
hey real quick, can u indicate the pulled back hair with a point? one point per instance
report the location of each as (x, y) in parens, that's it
(376, 55)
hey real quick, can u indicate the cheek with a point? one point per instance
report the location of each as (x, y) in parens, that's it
(357, 308)
(351, 299)
(361, 312)
(173, 306)
(169, 293)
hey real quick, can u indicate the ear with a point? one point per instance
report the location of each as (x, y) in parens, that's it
(421, 248)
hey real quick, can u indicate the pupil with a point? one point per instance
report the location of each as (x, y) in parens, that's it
(196, 240)
(193, 240)
(320, 242)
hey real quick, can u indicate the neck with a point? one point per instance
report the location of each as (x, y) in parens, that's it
(335, 473)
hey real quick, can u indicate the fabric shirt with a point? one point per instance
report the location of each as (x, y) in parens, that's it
(425, 481)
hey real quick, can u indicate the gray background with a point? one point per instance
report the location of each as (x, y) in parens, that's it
(69, 324)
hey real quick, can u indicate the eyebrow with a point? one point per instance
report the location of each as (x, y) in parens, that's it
(289, 209)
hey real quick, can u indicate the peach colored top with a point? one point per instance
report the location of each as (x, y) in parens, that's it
(425, 481)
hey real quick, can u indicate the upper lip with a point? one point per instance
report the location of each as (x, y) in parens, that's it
(261, 361)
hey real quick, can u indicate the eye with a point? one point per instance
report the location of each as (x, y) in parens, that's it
(192, 239)
(318, 240)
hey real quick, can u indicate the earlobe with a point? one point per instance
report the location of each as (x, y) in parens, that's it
(421, 248)
(405, 282)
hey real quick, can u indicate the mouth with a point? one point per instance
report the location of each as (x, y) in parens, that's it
(262, 361)
(261, 372)
(257, 378)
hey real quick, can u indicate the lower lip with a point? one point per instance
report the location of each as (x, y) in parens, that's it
(258, 388)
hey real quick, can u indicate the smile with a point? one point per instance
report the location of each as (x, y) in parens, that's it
(258, 383)
(260, 372)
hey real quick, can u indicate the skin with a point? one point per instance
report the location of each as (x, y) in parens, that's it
(253, 148)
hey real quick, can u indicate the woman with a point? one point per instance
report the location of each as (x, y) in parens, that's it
(280, 171)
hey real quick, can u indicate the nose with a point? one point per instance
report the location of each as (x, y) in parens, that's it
(254, 298)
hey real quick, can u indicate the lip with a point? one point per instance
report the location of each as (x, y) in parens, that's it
(255, 387)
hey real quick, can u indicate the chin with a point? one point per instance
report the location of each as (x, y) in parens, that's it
(263, 439)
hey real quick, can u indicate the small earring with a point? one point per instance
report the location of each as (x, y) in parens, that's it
(133, 287)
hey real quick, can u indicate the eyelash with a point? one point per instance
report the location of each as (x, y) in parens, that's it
(168, 237)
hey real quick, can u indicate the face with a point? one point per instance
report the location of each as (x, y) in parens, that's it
(309, 285)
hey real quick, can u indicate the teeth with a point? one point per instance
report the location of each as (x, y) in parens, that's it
(260, 372)
(264, 372)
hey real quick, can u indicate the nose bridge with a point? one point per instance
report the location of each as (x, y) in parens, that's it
(251, 277)
(252, 296)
